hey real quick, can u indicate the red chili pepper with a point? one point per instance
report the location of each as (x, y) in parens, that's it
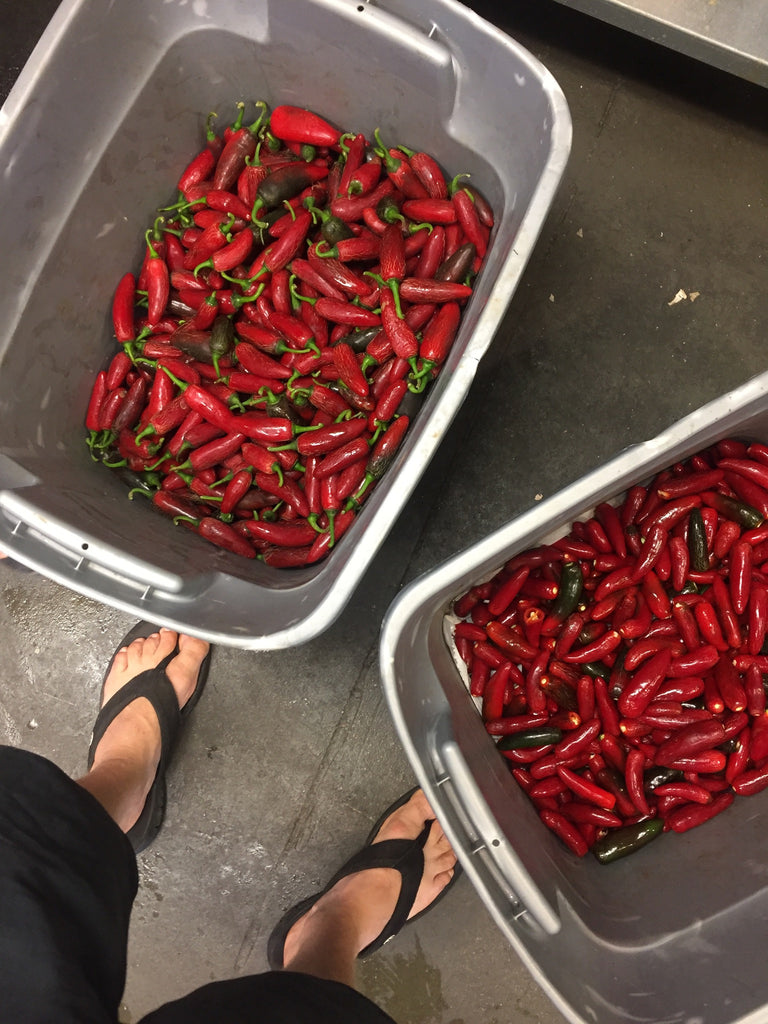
(535, 696)
(587, 790)
(749, 492)
(577, 741)
(200, 168)
(754, 690)
(212, 452)
(467, 216)
(132, 406)
(351, 209)
(392, 253)
(754, 471)
(566, 831)
(399, 170)
(324, 541)
(431, 210)
(224, 536)
(740, 574)
(644, 685)
(255, 361)
(354, 157)
(729, 684)
(423, 290)
(697, 738)
(96, 402)
(400, 335)
(494, 694)
(280, 252)
(596, 650)
(296, 124)
(430, 174)
(751, 781)
(695, 663)
(297, 534)
(691, 815)
(337, 273)
(309, 274)
(238, 148)
(348, 369)
(633, 777)
(329, 438)
(213, 410)
(123, 304)
(709, 625)
(231, 255)
(269, 430)
(342, 312)
(388, 403)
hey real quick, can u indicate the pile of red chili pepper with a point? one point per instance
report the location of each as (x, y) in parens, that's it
(622, 668)
(293, 305)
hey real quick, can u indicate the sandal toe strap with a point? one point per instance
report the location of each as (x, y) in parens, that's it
(154, 685)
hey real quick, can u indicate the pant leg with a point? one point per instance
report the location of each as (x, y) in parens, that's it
(277, 997)
(68, 878)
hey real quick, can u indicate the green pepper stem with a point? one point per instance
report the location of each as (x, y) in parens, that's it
(454, 185)
(151, 245)
(295, 294)
(327, 250)
(390, 162)
(312, 520)
(210, 132)
(185, 519)
(262, 107)
(146, 491)
(343, 144)
(394, 287)
(176, 380)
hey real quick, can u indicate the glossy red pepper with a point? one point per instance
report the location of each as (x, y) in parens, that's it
(692, 815)
(566, 831)
(297, 124)
(740, 574)
(99, 393)
(596, 650)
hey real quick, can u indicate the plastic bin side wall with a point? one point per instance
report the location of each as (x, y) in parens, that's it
(114, 151)
(657, 936)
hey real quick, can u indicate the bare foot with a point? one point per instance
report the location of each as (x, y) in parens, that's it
(365, 901)
(126, 758)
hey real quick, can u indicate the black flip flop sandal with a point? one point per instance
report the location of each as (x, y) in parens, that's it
(404, 855)
(154, 685)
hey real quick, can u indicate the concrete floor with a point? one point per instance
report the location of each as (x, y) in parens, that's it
(292, 755)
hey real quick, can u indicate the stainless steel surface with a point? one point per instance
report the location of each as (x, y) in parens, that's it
(729, 34)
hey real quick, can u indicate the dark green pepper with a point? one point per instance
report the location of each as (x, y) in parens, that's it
(539, 736)
(697, 542)
(620, 842)
(654, 777)
(569, 591)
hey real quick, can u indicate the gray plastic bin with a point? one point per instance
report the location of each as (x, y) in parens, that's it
(676, 933)
(102, 120)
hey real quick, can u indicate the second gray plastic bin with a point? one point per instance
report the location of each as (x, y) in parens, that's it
(675, 934)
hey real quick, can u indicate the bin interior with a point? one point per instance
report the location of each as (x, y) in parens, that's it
(94, 147)
(659, 935)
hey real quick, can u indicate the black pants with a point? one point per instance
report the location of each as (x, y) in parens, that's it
(67, 882)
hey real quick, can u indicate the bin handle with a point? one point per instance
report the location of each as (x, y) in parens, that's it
(492, 865)
(54, 549)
